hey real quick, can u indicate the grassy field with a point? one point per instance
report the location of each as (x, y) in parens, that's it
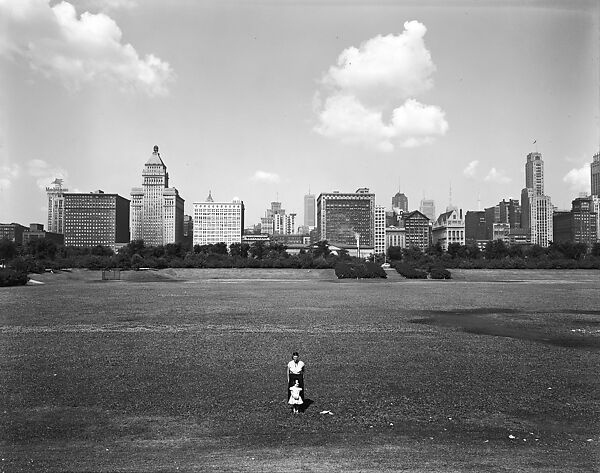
(184, 370)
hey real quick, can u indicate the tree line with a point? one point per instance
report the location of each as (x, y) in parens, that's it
(42, 254)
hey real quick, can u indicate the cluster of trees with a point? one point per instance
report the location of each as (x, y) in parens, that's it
(497, 254)
(41, 254)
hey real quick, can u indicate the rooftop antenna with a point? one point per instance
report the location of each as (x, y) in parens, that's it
(535, 143)
(478, 200)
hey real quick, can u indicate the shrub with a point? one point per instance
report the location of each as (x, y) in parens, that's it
(11, 277)
(410, 272)
(358, 270)
(437, 272)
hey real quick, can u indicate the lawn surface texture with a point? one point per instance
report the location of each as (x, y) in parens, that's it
(184, 370)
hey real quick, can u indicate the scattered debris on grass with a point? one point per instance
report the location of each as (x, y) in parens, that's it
(326, 412)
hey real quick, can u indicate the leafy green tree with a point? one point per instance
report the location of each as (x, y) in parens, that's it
(8, 249)
(321, 249)
(394, 253)
(435, 250)
(257, 250)
(496, 249)
(456, 250)
(42, 248)
(596, 249)
(412, 253)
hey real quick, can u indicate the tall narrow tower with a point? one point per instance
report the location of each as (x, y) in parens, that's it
(534, 173)
(309, 209)
(536, 208)
(56, 207)
(595, 175)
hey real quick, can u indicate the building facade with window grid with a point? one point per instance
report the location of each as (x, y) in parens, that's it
(218, 222)
(344, 217)
(156, 209)
(96, 218)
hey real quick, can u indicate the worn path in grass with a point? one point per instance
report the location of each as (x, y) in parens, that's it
(493, 371)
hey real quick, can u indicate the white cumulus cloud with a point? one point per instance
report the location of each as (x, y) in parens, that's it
(579, 179)
(58, 43)
(381, 78)
(263, 176)
(8, 173)
(497, 176)
(471, 169)
(44, 173)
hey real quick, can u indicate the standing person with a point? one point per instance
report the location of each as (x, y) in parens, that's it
(295, 399)
(295, 371)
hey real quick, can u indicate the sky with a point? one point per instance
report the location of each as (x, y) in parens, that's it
(266, 100)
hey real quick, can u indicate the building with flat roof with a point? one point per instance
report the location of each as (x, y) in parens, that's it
(310, 208)
(427, 208)
(395, 236)
(96, 218)
(156, 208)
(36, 232)
(218, 222)
(347, 220)
(475, 228)
(13, 232)
(578, 225)
(595, 175)
(379, 248)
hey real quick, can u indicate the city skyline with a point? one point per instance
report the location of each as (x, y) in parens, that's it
(242, 102)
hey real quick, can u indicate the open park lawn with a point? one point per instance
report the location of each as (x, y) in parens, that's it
(184, 370)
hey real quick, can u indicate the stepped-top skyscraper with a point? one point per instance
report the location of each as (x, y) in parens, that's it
(156, 208)
(536, 208)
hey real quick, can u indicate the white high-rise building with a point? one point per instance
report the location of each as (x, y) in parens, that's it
(56, 207)
(379, 247)
(156, 208)
(536, 217)
(218, 222)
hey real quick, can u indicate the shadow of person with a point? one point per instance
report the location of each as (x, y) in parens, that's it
(306, 404)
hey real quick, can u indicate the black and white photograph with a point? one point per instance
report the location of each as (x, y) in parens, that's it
(300, 236)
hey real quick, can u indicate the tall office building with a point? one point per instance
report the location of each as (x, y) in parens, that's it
(579, 225)
(534, 173)
(536, 208)
(95, 219)
(56, 207)
(595, 175)
(417, 230)
(347, 220)
(400, 201)
(218, 222)
(427, 208)
(379, 247)
(156, 208)
(475, 228)
(309, 210)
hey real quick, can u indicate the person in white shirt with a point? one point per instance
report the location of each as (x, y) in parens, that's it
(296, 370)
(295, 398)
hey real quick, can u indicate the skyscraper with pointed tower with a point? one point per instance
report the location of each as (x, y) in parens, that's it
(156, 208)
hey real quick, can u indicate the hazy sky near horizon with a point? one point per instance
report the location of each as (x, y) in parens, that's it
(262, 100)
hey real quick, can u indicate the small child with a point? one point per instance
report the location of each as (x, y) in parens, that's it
(295, 399)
